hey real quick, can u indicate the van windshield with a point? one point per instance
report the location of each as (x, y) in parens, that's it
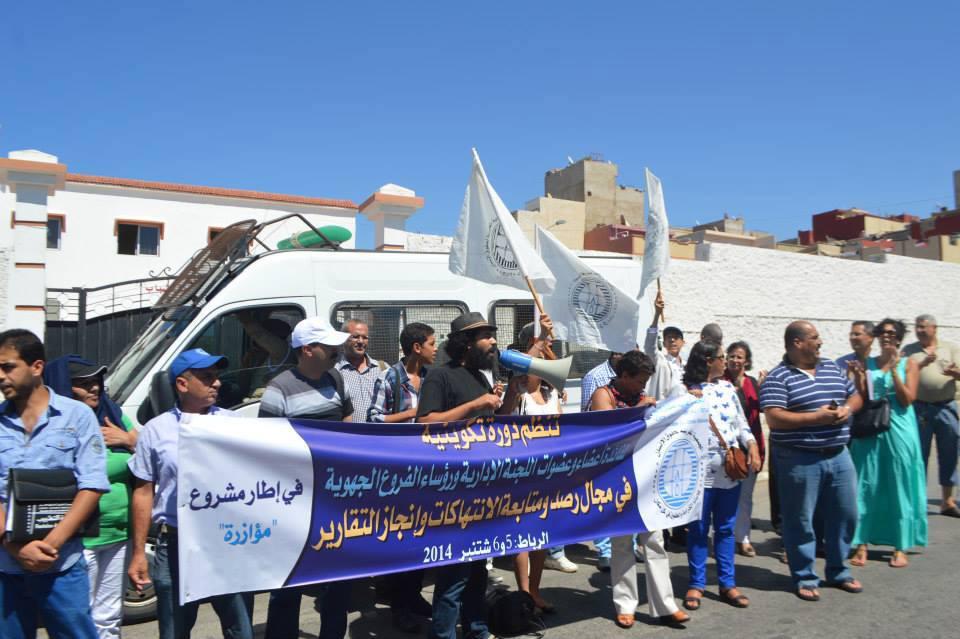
(132, 365)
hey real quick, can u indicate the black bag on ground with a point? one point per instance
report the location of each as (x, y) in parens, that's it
(873, 419)
(512, 614)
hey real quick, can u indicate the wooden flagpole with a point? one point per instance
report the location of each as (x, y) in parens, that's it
(536, 300)
(662, 316)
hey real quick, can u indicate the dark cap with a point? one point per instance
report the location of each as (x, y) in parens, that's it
(470, 321)
(82, 368)
(674, 330)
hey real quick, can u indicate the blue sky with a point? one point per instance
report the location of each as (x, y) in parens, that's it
(769, 110)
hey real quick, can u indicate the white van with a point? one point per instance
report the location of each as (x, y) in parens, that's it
(241, 298)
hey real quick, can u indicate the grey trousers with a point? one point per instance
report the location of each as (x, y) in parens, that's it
(623, 575)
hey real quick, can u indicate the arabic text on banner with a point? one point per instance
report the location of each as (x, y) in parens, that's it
(269, 503)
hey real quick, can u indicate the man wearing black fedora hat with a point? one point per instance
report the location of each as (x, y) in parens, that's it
(461, 389)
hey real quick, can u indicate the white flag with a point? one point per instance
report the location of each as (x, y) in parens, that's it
(585, 308)
(489, 245)
(656, 250)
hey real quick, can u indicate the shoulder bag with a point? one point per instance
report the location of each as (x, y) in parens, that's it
(734, 460)
(873, 419)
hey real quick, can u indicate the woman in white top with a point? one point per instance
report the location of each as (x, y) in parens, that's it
(540, 399)
(703, 376)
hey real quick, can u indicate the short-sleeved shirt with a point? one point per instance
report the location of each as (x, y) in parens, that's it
(730, 420)
(934, 386)
(795, 390)
(593, 379)
(448, 386)
(155, 460)
(361, 385)
(67, 436)
(290, 394)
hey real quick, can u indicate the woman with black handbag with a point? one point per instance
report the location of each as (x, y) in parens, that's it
(885, 447)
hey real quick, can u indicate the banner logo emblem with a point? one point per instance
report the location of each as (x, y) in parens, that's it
(593, 299)
(499, 252)
(678, 478)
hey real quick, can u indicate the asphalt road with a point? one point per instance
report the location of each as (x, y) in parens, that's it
(917, 601)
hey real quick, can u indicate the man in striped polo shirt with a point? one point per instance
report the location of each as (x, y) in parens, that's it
(808, 402)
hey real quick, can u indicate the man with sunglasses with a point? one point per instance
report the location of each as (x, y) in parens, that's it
(195, 376)
(315, 389)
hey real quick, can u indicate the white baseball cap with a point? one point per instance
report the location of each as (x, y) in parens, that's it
(315, 330)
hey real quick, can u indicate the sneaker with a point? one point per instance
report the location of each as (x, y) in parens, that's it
(603, 564)
(560, 563)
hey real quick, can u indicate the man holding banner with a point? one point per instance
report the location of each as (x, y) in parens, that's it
(195, 376)
(315, 389)
(463, 389)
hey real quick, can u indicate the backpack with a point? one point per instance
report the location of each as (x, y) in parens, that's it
(513, 614)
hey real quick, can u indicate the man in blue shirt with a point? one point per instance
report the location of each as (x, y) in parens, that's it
(808, 402)
(40, 429)
(861, 341)
(195, 375)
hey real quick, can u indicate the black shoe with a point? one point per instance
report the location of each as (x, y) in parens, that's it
(404, 621)
(422, 607)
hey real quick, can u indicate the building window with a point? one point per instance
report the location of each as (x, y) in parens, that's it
(212, 233)
(56, 225)
(138, 238)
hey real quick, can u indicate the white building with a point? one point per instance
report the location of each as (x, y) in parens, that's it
(68, 230)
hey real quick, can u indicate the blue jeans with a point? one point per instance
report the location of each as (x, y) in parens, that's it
(460, 591)
(176, 621)
(283, 613)
(61, 598)
(720, 506)
(604, 547)
(940, 420)
(809, 481)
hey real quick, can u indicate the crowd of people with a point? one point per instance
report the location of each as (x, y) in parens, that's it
(830, 492)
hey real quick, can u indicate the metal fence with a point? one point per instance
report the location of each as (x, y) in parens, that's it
(99, 322)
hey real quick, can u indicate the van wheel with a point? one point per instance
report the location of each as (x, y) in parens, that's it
(141, 606)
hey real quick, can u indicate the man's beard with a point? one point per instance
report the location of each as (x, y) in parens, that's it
(480, 360)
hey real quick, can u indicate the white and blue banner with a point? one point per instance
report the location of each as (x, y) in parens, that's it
(270, 503)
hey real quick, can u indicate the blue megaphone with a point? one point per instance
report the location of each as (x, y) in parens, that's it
(553, 371)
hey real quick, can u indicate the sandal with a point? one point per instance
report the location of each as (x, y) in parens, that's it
(746, 550)
(734, 597)
(898, 559)
(852, 586)
(859, 558)
(808, 594)
(692, 602)
(951, 511)
(624, 621)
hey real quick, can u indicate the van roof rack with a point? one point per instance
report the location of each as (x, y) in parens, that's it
(211, 263)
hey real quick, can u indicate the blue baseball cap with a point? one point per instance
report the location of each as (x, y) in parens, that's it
(195, 358)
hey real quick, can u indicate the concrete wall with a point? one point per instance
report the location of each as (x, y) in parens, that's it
(754, 294)
(546, 211)
(88, 254)
(628, 206)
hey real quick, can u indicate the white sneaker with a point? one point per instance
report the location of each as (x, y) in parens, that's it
(560, 563)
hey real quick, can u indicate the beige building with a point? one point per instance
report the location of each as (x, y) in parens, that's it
(594, 182)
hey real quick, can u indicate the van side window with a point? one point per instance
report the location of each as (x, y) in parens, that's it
(256, 341)
(387, 319)
(511, 315)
